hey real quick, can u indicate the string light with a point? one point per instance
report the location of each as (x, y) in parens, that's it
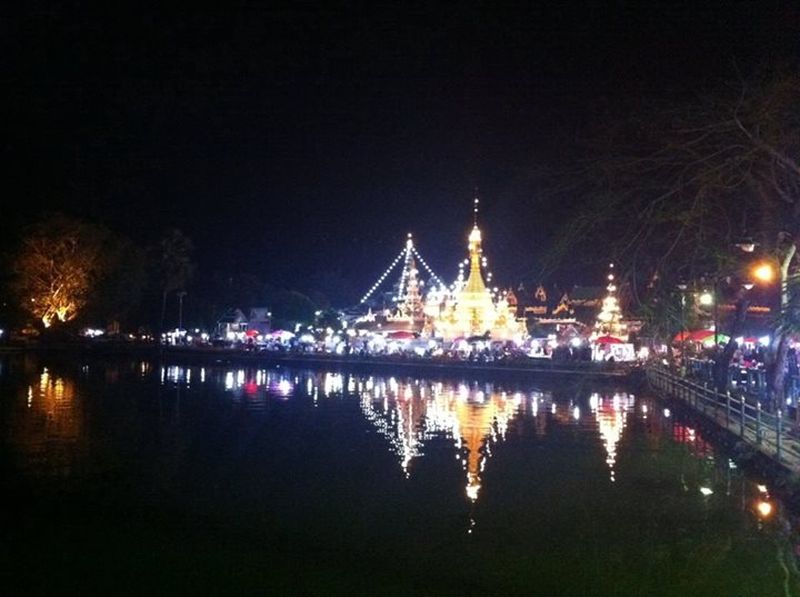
(383, 276)
(404, 255)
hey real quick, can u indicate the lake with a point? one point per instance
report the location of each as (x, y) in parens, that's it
(131, 476)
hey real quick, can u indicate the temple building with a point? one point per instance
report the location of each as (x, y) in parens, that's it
(471, 309)
(406, 313)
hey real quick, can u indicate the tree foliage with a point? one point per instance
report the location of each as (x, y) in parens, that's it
(668, 190)
(175, 265)
(118, 292)
(59, 260)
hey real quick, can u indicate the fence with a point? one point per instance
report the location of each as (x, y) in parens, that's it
(762, 430)
(742, 380)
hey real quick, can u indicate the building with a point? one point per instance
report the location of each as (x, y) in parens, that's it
(472, 309)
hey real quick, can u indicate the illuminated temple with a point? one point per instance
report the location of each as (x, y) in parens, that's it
(471, 309)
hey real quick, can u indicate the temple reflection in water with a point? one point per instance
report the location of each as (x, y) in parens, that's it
(407, 413)
(328, 463)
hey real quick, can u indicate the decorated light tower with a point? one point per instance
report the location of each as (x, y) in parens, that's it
(409, 294)
(609, 320)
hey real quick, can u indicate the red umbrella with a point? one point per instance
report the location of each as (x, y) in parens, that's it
(608, 340)
(694, 336)
(700, 335)
(681, 337)
(401, 335)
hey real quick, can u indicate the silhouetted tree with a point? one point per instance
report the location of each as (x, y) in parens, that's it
(175, 266)
(667, 191)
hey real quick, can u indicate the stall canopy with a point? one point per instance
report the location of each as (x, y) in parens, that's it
(608, 340)
(281, 335)
(704, 336)
(401, 335)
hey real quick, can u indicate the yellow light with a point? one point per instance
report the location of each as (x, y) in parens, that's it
(764, 508)
(706, 299)
(764, 272)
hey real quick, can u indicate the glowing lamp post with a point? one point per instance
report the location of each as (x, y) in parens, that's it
(764, 272)
(682, 287)
(710, 298)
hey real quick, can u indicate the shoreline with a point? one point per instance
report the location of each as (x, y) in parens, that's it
(620, 372)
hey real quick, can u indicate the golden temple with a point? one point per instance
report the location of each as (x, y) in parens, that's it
(472, 310)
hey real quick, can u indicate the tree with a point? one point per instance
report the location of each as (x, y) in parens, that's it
(671, 188)
(58, 262)
(118, 291)
(290, 308)
(175, 266)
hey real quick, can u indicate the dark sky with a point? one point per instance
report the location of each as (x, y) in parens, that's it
(302, 143)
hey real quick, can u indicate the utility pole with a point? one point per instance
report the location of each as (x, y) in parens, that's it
(181, 294)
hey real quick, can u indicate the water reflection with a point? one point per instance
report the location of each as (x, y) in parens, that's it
(48, 431)
(616, 446)
(611, 414)
(408, 413)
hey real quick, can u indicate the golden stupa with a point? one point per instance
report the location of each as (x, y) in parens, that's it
(471, 310)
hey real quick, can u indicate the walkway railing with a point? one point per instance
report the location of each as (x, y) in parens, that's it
(766, 432)
(751, 381)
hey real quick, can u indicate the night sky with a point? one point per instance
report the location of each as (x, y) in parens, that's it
(302, 143)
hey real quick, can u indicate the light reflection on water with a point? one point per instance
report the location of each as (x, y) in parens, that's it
(48, 433)
(408, 413)
(610, 444)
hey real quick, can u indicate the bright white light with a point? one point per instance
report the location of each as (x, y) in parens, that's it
(666, 412)
(764, 340)
(762, 488)
(706, 491)
(575, 342)
(764, 508)
(706, 299)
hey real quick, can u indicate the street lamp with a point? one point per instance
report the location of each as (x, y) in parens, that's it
(764, 272)
(682, 287)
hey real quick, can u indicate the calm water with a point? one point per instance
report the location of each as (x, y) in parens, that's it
(130, 477)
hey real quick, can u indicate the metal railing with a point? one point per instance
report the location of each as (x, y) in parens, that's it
(763, 430)
(745, 380)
